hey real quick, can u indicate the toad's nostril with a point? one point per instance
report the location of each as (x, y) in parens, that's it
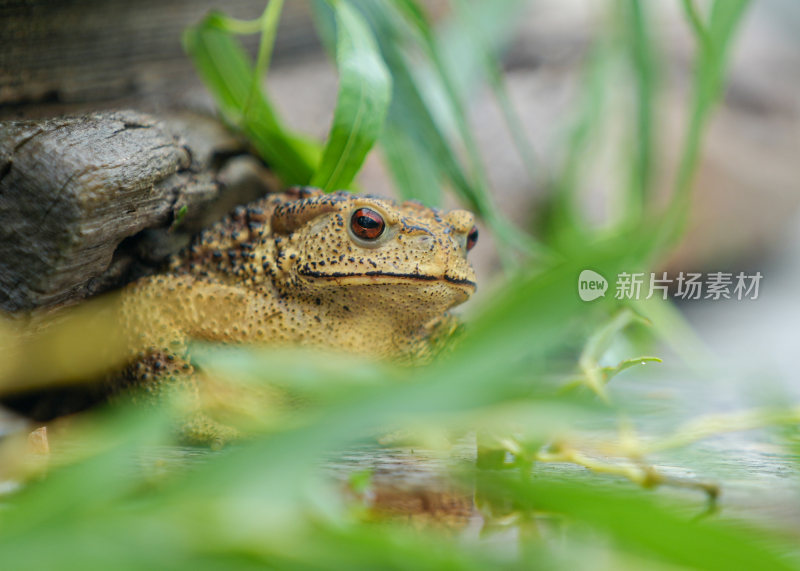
(460, 220)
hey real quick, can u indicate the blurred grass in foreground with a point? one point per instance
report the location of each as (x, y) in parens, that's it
(111, 498)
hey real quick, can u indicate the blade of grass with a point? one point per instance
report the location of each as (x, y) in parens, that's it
(416, 177)
(470, 18)
(639, 525)
(410, 111)
(597, 345)
(564, 224)
(413, 151)
(713, 49)
(407, 112)
(364, 90)
(696, 23)
(672, 327)
(479, 189)
(226, 71)
(640, 48)
(269, 29)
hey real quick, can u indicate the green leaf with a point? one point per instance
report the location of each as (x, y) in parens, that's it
(610, 372)
(364, 90)
(564, 223)
(713, 48)
(477, 191)
(470, 45)
(269, 29)
(228, 74)
(641, 52)
(415, 175)
(637, 524)
(596, 377)
(416, 110)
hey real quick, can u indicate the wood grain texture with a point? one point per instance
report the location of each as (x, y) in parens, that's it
(95, 51)
(87, 203)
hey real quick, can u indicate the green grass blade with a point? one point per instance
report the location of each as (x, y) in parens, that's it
(269, 29)
(228, 74)
(471, 19)
(409, 111)
(426, 103)
(415, 175)
(713, 49)
(643, 61)
(638, 524)
(479, 194)
(364, 90)
(564, 224)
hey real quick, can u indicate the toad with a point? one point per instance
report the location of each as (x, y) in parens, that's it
(343, 271)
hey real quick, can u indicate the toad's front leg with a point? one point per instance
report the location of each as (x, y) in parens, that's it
(159, 377)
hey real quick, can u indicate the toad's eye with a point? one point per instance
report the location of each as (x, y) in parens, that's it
(472, 238)
(367, 224)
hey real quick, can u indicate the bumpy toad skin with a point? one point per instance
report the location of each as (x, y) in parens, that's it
(291, 270)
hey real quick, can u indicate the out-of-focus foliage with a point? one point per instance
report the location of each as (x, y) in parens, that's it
(125, 497)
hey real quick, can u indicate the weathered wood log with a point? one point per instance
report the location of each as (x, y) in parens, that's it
(127, 53)
(89, 203)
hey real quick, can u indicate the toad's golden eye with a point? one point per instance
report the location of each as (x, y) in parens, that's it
(367, 224)
(472, 238)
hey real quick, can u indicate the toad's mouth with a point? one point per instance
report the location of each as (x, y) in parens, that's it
(386, 277)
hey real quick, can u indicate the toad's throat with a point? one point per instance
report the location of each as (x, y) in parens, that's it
(376, 275)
